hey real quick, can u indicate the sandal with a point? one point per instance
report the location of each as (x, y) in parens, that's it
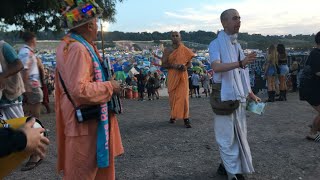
(31, 165)
(172, 121)
(187, 123)
(240, 177)
(314, 137)
(221, 170)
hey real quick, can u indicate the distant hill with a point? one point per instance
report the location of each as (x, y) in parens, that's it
(195, 39)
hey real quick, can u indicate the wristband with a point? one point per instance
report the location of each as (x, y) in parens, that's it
(240, 64)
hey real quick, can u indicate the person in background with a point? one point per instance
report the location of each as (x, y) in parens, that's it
(195, 79)
(294, 70)
(312, 95)
(283, 71)
(156, 84)
(31, 75)
(206, 82)
(45, 84)
(271, 71)
(150, 86)
(128, 80)
(177, 59)
(141, 82)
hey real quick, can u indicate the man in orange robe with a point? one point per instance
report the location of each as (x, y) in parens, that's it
(177, 59)
(77, 142)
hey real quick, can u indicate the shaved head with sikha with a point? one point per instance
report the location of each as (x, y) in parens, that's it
(230, 20)
(176, 37)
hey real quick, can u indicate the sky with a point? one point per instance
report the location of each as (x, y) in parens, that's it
(267, 17)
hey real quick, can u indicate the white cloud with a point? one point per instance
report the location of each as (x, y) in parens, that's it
(264, 17)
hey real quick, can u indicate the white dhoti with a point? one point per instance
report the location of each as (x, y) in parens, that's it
(231, 136)
(11, 111)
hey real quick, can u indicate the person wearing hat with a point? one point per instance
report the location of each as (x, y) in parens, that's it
(85, 150)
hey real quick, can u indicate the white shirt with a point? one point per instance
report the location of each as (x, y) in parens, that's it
(214, 55)
(29, 60)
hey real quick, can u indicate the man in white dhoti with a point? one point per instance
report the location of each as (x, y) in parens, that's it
(229, 64)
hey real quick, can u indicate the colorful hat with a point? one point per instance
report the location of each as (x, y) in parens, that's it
(78, 12)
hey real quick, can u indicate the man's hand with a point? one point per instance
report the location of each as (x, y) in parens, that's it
(115, 84)
(2, 80)
(36, 142)
(250, 58)
(254, 97)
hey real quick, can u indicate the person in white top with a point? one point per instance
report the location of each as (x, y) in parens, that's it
(31, 77)
(195, 79)
(229, 64)
(206, 82)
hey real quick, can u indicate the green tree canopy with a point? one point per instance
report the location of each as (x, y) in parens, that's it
(35, 15)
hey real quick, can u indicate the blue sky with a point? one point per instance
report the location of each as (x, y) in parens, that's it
(258, 16)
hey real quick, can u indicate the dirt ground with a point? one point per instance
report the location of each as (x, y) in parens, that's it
(155, 149)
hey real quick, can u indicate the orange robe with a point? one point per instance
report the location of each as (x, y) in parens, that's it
(77, 141)
(178, 83)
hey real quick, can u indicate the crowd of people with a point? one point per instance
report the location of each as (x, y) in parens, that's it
(88, 136)
(150, 83)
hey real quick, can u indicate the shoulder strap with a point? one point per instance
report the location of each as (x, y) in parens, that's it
(66, 91)
(1, 49)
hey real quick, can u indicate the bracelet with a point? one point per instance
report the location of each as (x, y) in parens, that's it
(240, 64)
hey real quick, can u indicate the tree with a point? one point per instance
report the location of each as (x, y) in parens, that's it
(35, 15)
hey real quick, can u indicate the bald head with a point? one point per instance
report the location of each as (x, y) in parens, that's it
(175, 33)
(175, 37)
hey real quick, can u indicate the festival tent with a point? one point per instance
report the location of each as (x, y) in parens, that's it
(117, 67)
(132, 72)
(153, 69)
(120, 75)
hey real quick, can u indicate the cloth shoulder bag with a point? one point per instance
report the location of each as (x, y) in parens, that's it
(82, 113)
(221, 107)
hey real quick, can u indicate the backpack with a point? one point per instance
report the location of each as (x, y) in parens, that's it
(306, 76)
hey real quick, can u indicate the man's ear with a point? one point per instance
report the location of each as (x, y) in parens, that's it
(223, 23)
(90, 25)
